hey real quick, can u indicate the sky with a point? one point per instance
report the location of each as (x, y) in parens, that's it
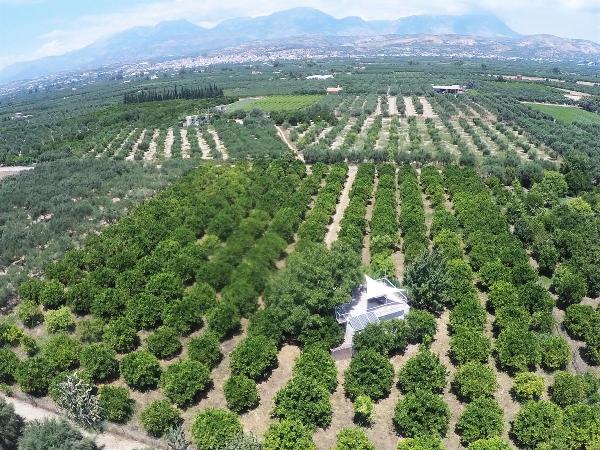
(31, 29)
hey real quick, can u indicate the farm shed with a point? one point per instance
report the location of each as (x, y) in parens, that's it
(373, 302)
(334, 90)
(452, 89)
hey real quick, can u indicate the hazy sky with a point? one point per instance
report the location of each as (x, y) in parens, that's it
(31, 29)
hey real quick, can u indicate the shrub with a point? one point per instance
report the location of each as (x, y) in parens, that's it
(183, 381)
(241, 294)
(304, 400)
(582, 425)
(469, 345)
(52, 294)
(33, 376)
(61, 353)
(11, 426)
(53, 434)
(364, 410)
(468, 313)
(59, 320)
(568, 285)
(423, 371)
(254, 357)
(474, 380)
(421, 413)
(144, 310)
(578, 320)
(165, 285)
(241, 394)
(528, 386)
(428, 282)
(160, 417)
(372, 337)
(121, 335)
(8, 365)
(244, 442)
(555, 352)
(29, 290)
(503, 294)
(421, 443)
(30, 314)
(539, 424)
(369, 374)
(76, 397)
(420, 326)
(517, 349)
(493, 272)
(109, 303)
(288, 435)
(140, 370)
(99, 361)
(183, 315)
(163, 343)
(569, 389)
(481, 419)
(205, 349)
(224, 320)
(80, 297)
(215, 428)
(494, 443)
(202, 296)
(317, 363)
(90, 330)
(352, 439)
(116, 403)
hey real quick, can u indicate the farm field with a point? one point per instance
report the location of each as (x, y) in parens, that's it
(568, 114)
(174, 277)
(275, 103)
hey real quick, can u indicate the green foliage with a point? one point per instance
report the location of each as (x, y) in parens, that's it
(428, 282)
(528, 386)
(75, 396)
(98, 360)
(9, 363)
(421, 413)
(423, 371)
(61, 352)
(205, 349)
(352, 439)
(53, 434)
(288, 435)
(90, 330)
(494, 443)
(183, 381)
(11, 425)
(52, 294)
(474, 380)
(555, 352)
(30, 314)
(33, 376)
(305, 400)
(582, 424)
(578, 320)
(481, 419)
(165, 285)
(241, 394)
(569, 389)
(364, 410)
(160, 417)
(317, 363)
(140, 370)
(420, 326)
(469, 345)
(59, 320)
(224, 320)
(121, 335)
(369, 374)
(421, 443)
(116, 403)
(517, 349)
(214, 428)
(164, 343)
(570, 286)
(539, 423)
(144, 310)
(254, 357)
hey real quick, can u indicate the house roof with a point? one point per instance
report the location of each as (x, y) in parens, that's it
(380, 288)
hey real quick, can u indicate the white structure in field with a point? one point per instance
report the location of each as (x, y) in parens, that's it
(373, 302)
(453, 89)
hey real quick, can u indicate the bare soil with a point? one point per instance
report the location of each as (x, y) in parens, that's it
(427, 109)
(410, 108)
(220, 146)
(135, 146)
(150, 155)
(169, 143)
(185, 144)
(344, 200)
(283, 136)
(392, 105)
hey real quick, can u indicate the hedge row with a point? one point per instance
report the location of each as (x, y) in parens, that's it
(412, 214)
(384, 223)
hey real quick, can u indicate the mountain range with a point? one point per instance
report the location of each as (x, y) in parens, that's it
(177, 39)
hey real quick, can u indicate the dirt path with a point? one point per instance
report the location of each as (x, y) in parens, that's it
(135, 146)
(257, 420)
(220, 146)
(378, 111)
(169, 143)
(151, 153)
(185, 144)
(339, 139)
(283, 136)
(441, 346)
(410, 108)
(393, 105)
(334, 227)
(10, 171)
(366, 250)
(427, 108)
(204, 147)
(31, 412)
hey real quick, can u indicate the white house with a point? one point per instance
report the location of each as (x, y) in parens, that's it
(452, 89)
(373, 302)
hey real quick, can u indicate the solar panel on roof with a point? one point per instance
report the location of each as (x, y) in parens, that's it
(360, 322)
